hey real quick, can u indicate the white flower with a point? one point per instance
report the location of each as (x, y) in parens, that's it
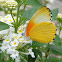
(29, 41)
(14, 43)
(15, 19)
(14, 54)
(2, 20)
(27, 22)
(8, 16)
(11, 30)
(11, 4)
(21, 38)
(14, 36)
(59, 15)
(10, 50)
(7, 40)
(45, 46)
(31, 53)
(2, 3)
(4, 47)
(20, 31)
(43, 54)
(14, 12)
(17, 59)
(9, 21)
(4, 31)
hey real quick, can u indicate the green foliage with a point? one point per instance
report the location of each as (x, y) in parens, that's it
(57, 40)
(33, 3)
(37, 44)
(3, 26)
(1, 57)
(36, 53)
(59, 19)
(39, 0)
(19, 2)
(29, 13)
(1, 9)
(54, 13)
(56, 49)
(54, 59)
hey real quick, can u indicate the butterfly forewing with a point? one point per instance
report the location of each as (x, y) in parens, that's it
(42, 15)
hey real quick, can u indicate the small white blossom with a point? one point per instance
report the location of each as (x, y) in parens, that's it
(31, 53)
(4, 47)
(15, 54)
(43, 54)
(14, 43)
(10, 50)
(11, 4)
(17, 59)
(3, 3)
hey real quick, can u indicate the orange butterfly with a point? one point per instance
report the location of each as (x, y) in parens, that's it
(40, 27)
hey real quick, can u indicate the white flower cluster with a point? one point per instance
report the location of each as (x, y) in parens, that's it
(12, 41)
(2, 3)
(11, 4)
(7, 19)
(59, 15)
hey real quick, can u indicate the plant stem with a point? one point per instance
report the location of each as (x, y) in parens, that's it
(16, 25)
(5, 10)
(12, 15)
(23, 58)
(23, 10)
(59, 31)
(5, 56)
(14, 60)
(47, 53)
(17, 14)
(16, 29)
(20, 21)
(42, 59)
(9, 58)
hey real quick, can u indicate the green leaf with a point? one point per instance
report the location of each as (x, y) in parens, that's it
(39, 0)
(57, 40)
(19, 2)
(36, 53)
(33, 3)
(54, 13)
(59, 19)
(54, 59)
(3, 26)
(29, 13)
(56, 49)
(37, 44)
(1, 9)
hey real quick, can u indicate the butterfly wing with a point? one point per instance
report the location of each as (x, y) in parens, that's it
(42, 15)
(44, 32)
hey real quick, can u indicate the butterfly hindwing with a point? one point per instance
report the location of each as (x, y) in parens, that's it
(43, 32)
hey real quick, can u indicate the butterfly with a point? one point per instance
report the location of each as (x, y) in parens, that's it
(40, 28)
